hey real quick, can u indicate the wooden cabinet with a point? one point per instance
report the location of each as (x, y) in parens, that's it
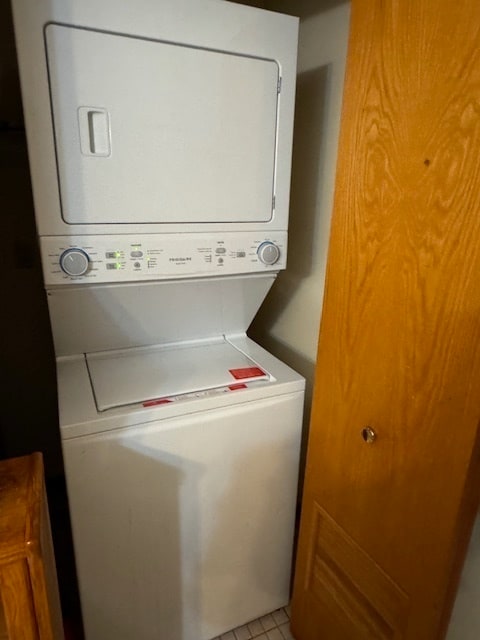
(28, 582)
(386, 518)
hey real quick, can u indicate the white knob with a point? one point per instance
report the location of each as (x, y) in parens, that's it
(268, 253)
(74, 262)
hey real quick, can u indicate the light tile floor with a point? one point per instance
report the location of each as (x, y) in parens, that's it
(273, 626)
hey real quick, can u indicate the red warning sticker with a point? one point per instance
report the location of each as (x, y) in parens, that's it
(235, 387)
(153, 403)
(247, 372)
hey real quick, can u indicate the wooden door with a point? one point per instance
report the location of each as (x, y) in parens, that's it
(385, 523)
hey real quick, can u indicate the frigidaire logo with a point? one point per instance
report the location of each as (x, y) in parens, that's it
(180, 259)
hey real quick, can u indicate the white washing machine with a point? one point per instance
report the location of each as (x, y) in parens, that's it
(181, 455)
(183, 501)
(159, 136)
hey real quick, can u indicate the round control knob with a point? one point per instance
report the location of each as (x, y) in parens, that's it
(74, 262)
(268, 253)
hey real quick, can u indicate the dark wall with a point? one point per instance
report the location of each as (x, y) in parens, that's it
(28, 416)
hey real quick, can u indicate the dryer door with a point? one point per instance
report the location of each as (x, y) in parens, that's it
(157, 132)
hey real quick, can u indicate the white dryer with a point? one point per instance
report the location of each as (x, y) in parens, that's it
(156, 117)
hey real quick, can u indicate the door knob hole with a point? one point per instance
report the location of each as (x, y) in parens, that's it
(369, 435)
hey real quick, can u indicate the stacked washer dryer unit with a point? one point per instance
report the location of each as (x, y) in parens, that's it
(159, 136)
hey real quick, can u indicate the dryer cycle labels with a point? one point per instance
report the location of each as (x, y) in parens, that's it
(161, 132)
(158, 256)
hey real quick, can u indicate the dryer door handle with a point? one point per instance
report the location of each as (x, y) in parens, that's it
(95, 135)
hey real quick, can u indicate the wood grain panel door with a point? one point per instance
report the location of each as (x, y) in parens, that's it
(387, 513)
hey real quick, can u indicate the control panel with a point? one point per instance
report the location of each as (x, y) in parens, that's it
(127, 258)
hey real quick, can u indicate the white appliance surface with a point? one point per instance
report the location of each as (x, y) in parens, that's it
(133, 376)
(159, 137)
(182, 513)
(110, 317)
(79, 415)
(168, 116)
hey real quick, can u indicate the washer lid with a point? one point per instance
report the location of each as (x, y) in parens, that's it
(132, 376)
